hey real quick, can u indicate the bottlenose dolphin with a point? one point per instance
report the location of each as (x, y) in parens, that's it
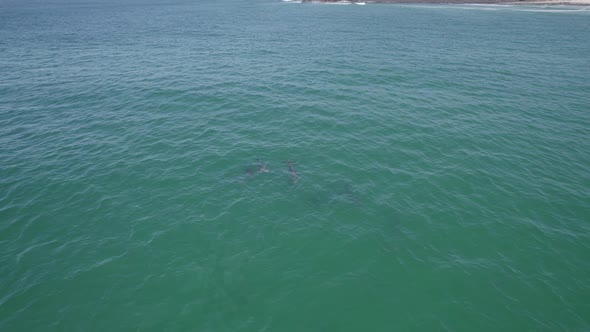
(350, 194)
(261, 168)
(294, 175)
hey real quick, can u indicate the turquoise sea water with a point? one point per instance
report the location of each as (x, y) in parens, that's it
(442, 157)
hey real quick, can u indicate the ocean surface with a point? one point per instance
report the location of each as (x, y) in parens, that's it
(440, 154)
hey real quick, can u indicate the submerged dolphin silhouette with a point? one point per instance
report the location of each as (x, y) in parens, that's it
(261, 168)
(294, 175)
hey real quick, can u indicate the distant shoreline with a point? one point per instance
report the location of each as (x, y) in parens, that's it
(475, 2)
